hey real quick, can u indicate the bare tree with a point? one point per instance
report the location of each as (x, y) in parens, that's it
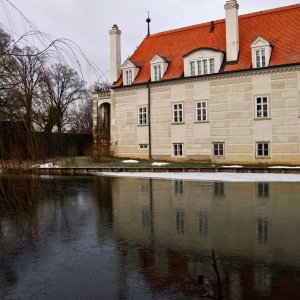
(81, 117)
(28, 74)
(63, 87)
(6, 80)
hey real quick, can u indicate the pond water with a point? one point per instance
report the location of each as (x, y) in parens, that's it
(118, 238)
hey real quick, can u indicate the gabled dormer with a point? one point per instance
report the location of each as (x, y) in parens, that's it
(202, 61)
(261, 51)
(130, 70)
(159, 65)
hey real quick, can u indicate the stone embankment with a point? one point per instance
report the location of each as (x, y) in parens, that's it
(92, 170)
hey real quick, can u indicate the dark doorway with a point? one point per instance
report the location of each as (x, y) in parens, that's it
(103, 129)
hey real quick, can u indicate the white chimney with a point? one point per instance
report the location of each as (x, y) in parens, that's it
(232, 30)
(115, 53)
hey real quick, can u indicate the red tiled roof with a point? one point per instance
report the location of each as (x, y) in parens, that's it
(280, 26)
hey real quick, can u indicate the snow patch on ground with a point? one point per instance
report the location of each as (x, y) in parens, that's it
(159, 164)
(234, 166)
(130, 161)
(284, 167)
(47, 165)
(219, 176)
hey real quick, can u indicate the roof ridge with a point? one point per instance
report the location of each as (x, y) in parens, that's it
(248, 15)
(184, 28)
(270, 11)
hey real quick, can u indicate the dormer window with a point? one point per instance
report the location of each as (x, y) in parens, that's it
(159, 66)
(261, 52)
(130, 70)
(202, 61)
(128, 77)
(202, 66)
(157, 73)
(260, 58)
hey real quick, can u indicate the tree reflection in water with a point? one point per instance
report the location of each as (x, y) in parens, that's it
(22, 216)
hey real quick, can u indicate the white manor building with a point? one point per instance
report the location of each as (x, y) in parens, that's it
(224, 91)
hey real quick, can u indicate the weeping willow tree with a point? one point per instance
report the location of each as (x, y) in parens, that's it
(42, 88)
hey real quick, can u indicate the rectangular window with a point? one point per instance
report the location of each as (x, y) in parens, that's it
(157, 73)
(218, 149)
(260, 58)
(212, 65)
(178, 149)
(201, 111)
(263, 150)
(262, 107)
(202, 66)
(192, 68)
(142, 115)
(199, 68)
(177, 113)
(128, 75)
(143, 146)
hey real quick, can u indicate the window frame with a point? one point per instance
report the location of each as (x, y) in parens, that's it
(260, 59)
(127, 72)
(213, 144)
(177, 110)
(201, 119)
(143, 146)
(142, 116)
(177, 152)
(263, 156)
(257, 117)
(157, 72)
(202, 66)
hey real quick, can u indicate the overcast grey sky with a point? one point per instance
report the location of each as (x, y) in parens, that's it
(87, 22)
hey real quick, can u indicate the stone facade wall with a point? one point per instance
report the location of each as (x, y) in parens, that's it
(231, 117)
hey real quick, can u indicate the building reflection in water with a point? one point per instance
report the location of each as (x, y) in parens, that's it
(254, 228)
(152, 237)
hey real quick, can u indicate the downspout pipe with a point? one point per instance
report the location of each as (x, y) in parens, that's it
(149, 120)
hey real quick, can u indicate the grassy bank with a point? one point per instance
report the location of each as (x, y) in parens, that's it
(118, 162)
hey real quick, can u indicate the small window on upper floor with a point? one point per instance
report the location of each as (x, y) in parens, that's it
(130, 71)
(261, 53)
(202, 61)
(159, 65)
